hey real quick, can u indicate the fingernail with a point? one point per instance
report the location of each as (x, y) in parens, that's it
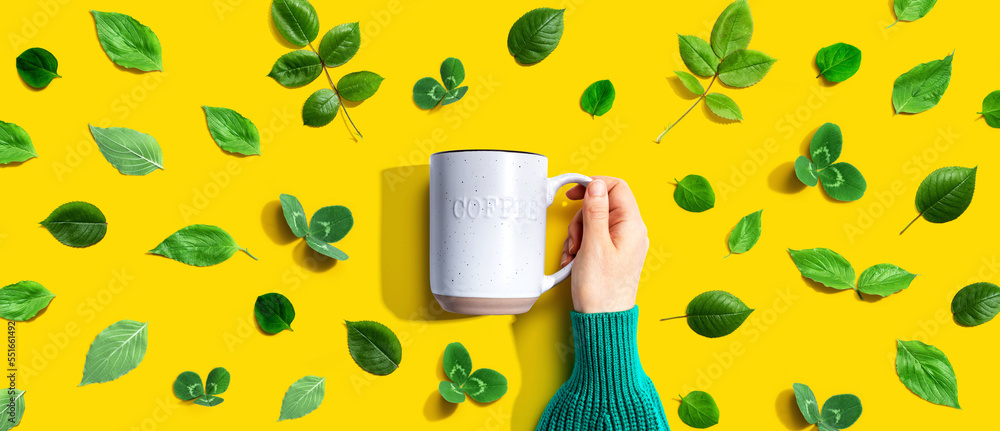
(597, 188)
(565, 259)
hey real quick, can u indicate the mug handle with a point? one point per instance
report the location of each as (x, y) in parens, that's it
(553, 185)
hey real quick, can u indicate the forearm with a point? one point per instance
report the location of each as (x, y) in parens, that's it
(608, 389)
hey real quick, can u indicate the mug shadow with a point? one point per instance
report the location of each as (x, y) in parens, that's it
(788, 411)
(405, 245)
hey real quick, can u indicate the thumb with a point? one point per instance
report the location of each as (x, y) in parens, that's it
(595, 214)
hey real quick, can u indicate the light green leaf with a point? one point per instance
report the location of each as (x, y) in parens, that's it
(451, 392)
(991, 110)
(698, 55)
(427, 93)
(15, 144)
(217, 381)
(976, 304)
(199, 245)
(733, 29)
(118, 349)
(452, 73)
(127, 42)
(806, 171)
(320, 108)
(807, 402)
(826, 144)
(188, 386)
(485, 385)
(294, 215)
(325, 249)
(911, 10)
(922, 87)
(535, 35)
(454, 95)
(23, 300)
(340, 44)
(723, 106)
(744, 68)
(598, 98)
(13, 397)
(926, 371)
(746, 233)
(694, 193)
(841, 411)
(690, 82)
(129, 151)
(358, 86)
(843, 182)
(304, 396)
(208, 401)
(945, 194)
(37, 67)
(884, 279)
(231, 131)
(296, 20)
(374, 347)
(297, 68)
(838, 62)
(698, 410)
(824, 266)
(457, 364)
(331, 224)
(274, 313)
(716, 313)
(77, 224)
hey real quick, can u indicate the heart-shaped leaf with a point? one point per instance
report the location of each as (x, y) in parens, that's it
(23, 300)
(304, 396)
(127, 42)
(331, 224)
(698, 55)
(926, 371)
(841, 411)
(884, 279)
(451, 392)
(733, 29)
(15, 144)
(838, 62)
(694, 193)
(452, 73)
(824, 266)
(975, 304)
(77, 224)
(374, 347)
(217, 381)
(296, 20)
(744, 68)
(297, 68)
(37, 67)
(723, 106)
(457, 364)
(945, 194)
(698, 410)
(485, 385)
(535, 35)
(340, 44)
(325, 249)
(199, 245)
(320, 108)
(807, 402)
(806, 171)
(826, 145)
(295, 216)
(231, 131)
(454, 95)
(716, 313)
(843, 182)
(118, 349)
(746, 233)
(188, 386)
(427, 93)
(208, 401)
(359, 86)
(598, 98)
(274, 313)
(129, 151)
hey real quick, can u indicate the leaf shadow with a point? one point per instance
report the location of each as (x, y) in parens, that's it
(40, 312)
(679, 88)
(436, 408)
(788, 411)
(822, 288)
(783, 179)
(276, 34)
(715, 118)
(33, 89)
(12, 164)
(807, 141)
(311, 260)
(272, 219)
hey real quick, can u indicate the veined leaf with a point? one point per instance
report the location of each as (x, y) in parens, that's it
(694, 193)
(358, 86)
(838, 62)
(843, 182)
(12, 397)
(340, 44)
(320, 108)
(744, 67)
(374, 347)
(911, 10)
(274, 313)
(807, 402)
(485, 385)
(232, 132)
(716, 313)
(746, 233)
(945, 194)
(975, 304)
(535, 35)
(824, 266)
(127, 42)
(733, 29)
(723, 106)
(15, 144)
(690, 82)
(806, 171)
(304, 396)
(23, 300)
(37, 67)
(199, 245)
(884, 279)
(77, 224)
(922, 87)
(457, 364)
(297, 68)
(991, 110)
(217, 381)
(926, 371)
(331, 224)
(598, 98)
(698, 55)
(698, 410)
(129, 151)
(296, 20)
(294, 215)
(118, 349)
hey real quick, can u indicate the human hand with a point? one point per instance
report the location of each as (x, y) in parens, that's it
(607, 240)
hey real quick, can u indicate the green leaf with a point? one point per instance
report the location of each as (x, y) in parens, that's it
(217, 381)
(274, 313)
(188, 386)
(208, 401)
(698, 410)
(451, 392)
(296, 20)
(294, 215)
(13, 397)
(485, 385)
(806, 171)
(297, 68)
(991, 110)
(807, 402)
(358, 86)
(374, 347)
(331, 224)
(843, 182)
(198, 245)
(457, 364)
(129, 151)
(975, 304)
(723, 106)
(598, 98)
(304, 396)
(826, 144)
(340, 44)
(77, 224)
(716, 313)
(922, 87)
(535, 35)
(824, 427)
(118, 349)
(925, 370)
(231, 131)
(824, 266)
(746, 233)
(838, 62)
(427, 93)
(884, 279)
(127, 42)
(325, 249)
(841, 411)
(23, 300)
(15, 144)
(454, 95)
(690, 82)
(320, 108)
(744, 68)
(698, 55)
(37, 67)
(694, 194)
(452, 73)
(733, 29)
(945, 194)
(911, 10)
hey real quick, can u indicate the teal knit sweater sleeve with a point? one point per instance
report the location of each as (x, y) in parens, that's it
(608, 390)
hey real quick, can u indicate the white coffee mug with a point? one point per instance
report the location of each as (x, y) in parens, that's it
(487, 229)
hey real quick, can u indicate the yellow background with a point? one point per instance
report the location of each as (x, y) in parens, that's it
(218, 52)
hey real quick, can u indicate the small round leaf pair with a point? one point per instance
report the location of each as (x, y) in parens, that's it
(329, 224)
(839, 411)
(428, 93)
(188, 387)
(841, 181)
(483, 385)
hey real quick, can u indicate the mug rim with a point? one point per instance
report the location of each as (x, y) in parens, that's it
(489, 151)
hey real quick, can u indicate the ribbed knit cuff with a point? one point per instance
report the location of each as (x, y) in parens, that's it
(606, 347)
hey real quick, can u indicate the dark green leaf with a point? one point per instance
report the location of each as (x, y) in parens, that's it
(843, 182)
(841, 411)
(374, 347)
(451, 392)
(127, 42)
(744, 68)
(746, 233)
(331, 224)
(485, 385)
(297, 68)
(457, 364)
(454, 95)
(118, 349)
(320, 108)
(340, 44)
(325, 249)
(733, 29)
(723, 106)
(991, 109)
(358, 86)
(535, 35)
(427, 93)
(296, 20)
(274, 313)
(824, 266)
(23, 300)
(188, 386)
(946, 193)
(452, 73)
(698, 410)
(37, 67)
(698, 55)
(926, 371)
(826, 144)
(838, 62)
(716, 313)
(807, 402)
(598, 98)
(198, 245)
(884, 279)
(15, 144)
(806, 171)
(922, 87)
(217, 381)
(129, 151)
(294, 215)
(208, 401)
(232, 132)
(690, 82)
(304, 396)
(77, 224)
(975, 304)
(694, 193)
(912, 10)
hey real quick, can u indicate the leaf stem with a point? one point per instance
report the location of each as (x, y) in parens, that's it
(859, 294)
(893, 23)
(702, 96)
(335, 90)
(675, 317)
(911, 222)
(248, 254)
